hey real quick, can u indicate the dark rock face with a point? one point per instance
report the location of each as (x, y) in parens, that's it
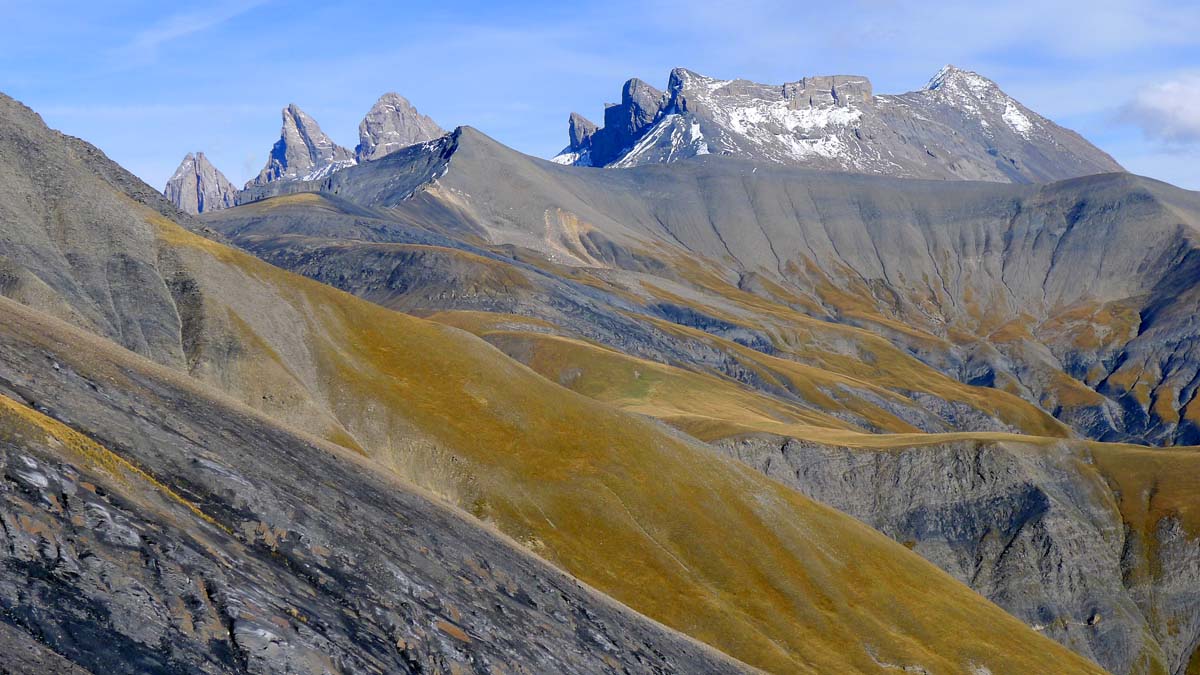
(197, 186)
(960, 126)
(624, 123)
(303, 151)
(235, 546)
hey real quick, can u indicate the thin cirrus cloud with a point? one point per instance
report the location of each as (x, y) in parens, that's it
(1168, 111)
(144, 45)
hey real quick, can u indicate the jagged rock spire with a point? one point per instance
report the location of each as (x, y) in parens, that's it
(303, 151)
(197, 186)
(391, 124)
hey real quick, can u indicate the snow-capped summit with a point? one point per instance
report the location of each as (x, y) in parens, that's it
(959, 126)
(973, 93)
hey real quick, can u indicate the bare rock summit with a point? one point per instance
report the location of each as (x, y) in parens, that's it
(197, 186)
(391, 124)
(303, 151)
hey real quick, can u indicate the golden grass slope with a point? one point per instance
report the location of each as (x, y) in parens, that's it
(1146, 487)
(702, 543)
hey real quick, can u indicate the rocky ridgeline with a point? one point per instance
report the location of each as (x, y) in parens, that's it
(959, 126)
(304, 152)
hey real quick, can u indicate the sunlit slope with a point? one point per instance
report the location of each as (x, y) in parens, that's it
(651, 388)
(1072, 295)
(1094, 543)
(858, 375)
(702, 543)
(827, 375)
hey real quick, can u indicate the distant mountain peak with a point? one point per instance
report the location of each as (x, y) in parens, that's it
(391, 124)
(982, 99)
(953, 76)
(959, 126)
(303, 151)
(641, 104)
(198, 187)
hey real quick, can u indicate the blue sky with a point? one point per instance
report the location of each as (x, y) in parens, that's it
(148, 82)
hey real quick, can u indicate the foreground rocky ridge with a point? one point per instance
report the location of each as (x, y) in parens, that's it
(959, 126)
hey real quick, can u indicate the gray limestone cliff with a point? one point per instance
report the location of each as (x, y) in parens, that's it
(197, 186)
(303, 151)
(391, 124)
(1036, 529)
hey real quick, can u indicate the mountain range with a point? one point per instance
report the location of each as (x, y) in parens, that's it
(959, 126)
(303, 152)
(798, 378)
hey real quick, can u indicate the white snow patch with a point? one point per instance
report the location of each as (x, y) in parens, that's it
(321, 172)
(800, 132)
(823, 146)
(1017, 119)
(646, 142)
(566, 158)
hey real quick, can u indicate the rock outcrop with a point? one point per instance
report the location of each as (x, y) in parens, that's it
(303, 151)
(960, 126)
(624, 123)
(197, 186)
(1029, 526)
(391, 124)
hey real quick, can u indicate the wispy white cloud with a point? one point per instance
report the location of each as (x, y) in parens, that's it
(1168, 111)
(133, 111)
(144, 45)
